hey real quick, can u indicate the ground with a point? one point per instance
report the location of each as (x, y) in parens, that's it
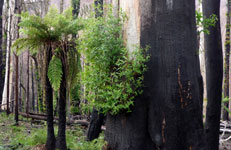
(31, 135)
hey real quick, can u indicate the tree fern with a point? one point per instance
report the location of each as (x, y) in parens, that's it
(55, 73)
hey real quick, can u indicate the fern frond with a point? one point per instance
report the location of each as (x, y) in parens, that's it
(55, 73)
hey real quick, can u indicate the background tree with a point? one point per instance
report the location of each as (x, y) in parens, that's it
(2, 63)
(227, 62)
(214, 75)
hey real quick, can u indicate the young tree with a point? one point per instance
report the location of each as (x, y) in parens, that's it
(214, 75)
(168, 115)
(97, 118)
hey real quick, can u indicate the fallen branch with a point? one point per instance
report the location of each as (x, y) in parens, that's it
(43, 117)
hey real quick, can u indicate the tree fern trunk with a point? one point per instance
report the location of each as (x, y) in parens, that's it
(50, 143)
(61, 139)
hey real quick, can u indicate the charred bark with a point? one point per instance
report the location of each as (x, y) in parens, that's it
(168, 115)
(61, 139)
(94, 128)
(50, 143)
(214, 75)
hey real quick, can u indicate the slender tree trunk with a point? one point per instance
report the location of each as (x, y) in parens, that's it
(50, 143)
(17, 11)
(28, 84)
(32, 86)
(2, 64)
(8, 79)
(61, 139)
(214, 75)
(39, 88)
(227, 61)
(168, 115)
(16, 89)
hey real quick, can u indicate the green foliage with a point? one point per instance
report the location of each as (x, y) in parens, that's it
(37, 136)
(225, 100)
(112, 75)
(55, 72)
(37, 32)
(205, 23)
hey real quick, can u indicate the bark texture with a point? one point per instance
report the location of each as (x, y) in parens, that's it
(94, 128)
(61, 139)
(50, 143)
(168, 115)
(225, 115)
(214, 75)
(2, 63)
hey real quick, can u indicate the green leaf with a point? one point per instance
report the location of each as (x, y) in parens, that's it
(55, 73)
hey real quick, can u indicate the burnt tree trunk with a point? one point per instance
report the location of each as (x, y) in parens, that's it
(168, 115)
(214, 75)
(94, 128)
(50, 143)
(61, 139)
(225, 115)
(2, 64)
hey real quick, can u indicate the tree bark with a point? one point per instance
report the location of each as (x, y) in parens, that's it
(28, 84)
(2, 63)
(94, 128)
(214, 75)
(32, 86)
(225, 115)
(61, 139)
(168, 115)
(16, 89)
(50, 143)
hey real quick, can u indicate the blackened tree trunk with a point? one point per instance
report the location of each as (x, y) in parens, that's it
(50, 143)
(214, 75)
(2, 64)
(168, 115)
(94, 128)
(227, 61)
(61, 139)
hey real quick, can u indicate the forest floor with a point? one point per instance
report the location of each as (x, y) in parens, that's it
(30, 135)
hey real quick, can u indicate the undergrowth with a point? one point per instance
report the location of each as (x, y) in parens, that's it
(25, 136)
